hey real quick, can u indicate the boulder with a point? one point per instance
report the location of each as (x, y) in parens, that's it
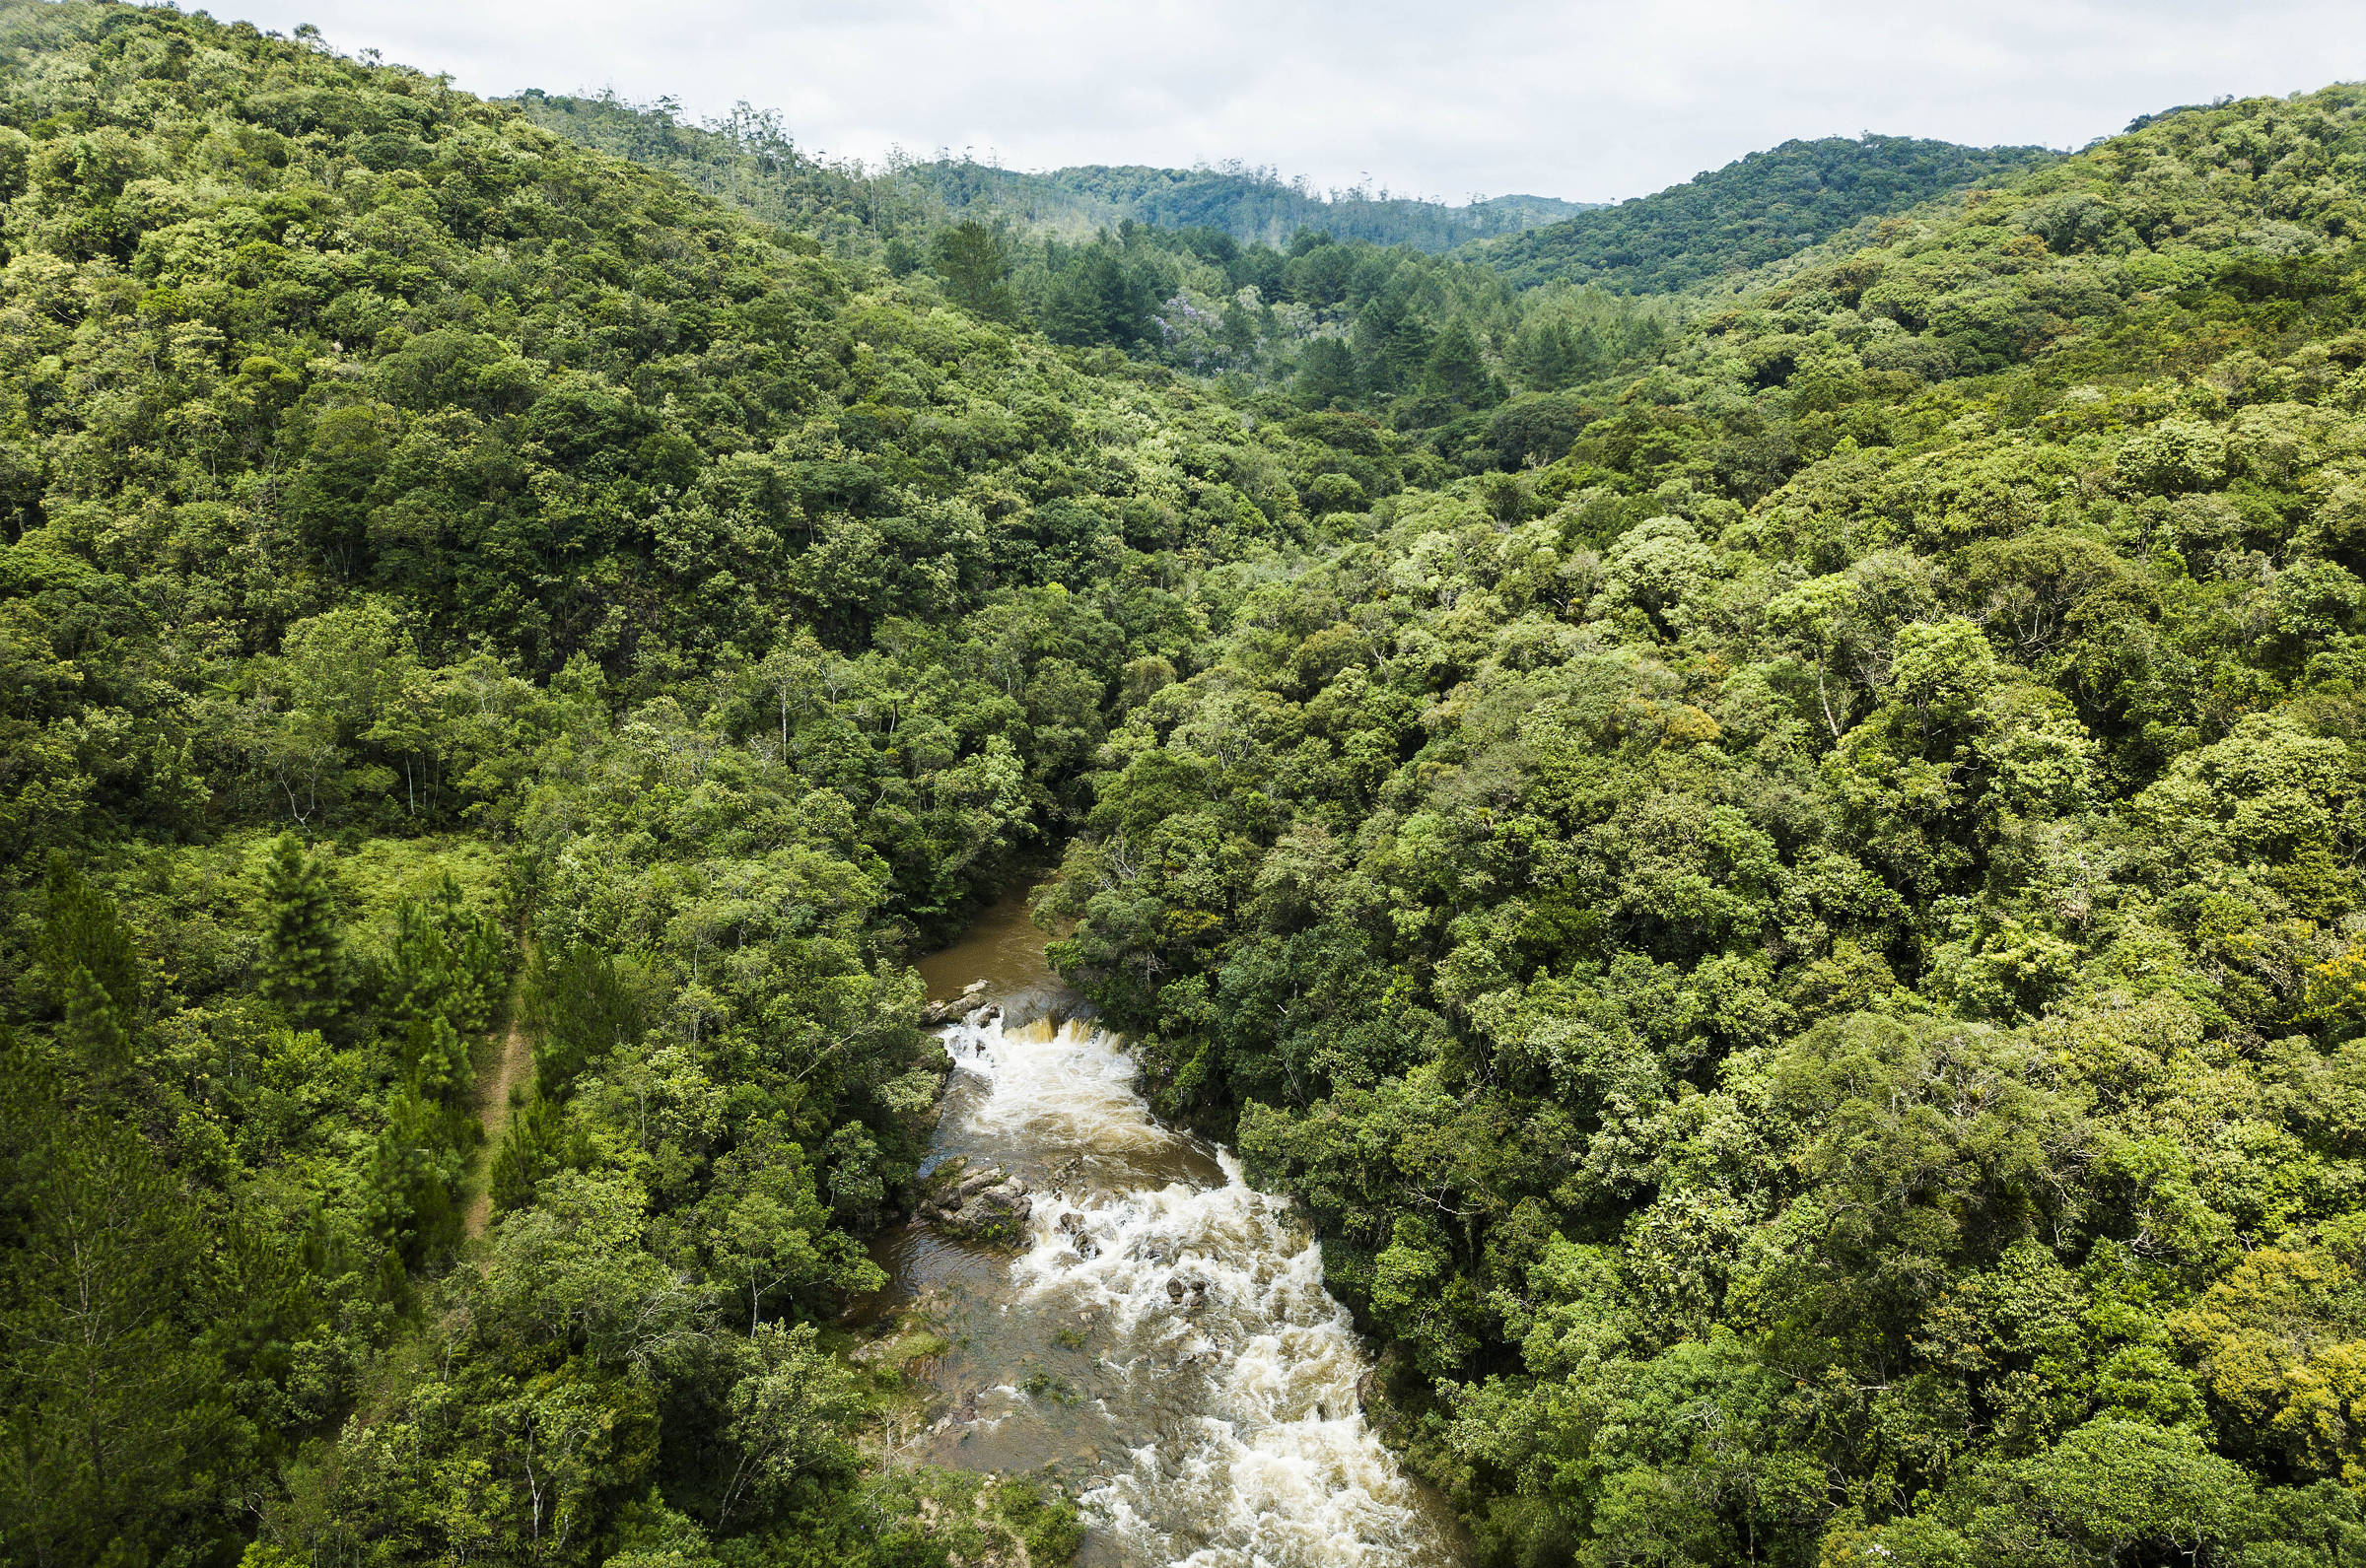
(936, 1014)
(991, 1205)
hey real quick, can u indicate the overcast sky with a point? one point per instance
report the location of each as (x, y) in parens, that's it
(1584, 99)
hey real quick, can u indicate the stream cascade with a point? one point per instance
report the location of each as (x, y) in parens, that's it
(1161, 1339)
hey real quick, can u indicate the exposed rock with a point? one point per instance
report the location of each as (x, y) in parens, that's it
(990, 1205)
(1075, 1227)
(936, 1014)
(1174, 1287)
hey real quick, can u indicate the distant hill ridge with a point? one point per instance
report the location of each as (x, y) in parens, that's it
(1254, 206)
(1753, 210)
(749, 159)
(1723, 223)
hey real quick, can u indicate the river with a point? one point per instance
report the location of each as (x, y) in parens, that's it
(1222, 1430)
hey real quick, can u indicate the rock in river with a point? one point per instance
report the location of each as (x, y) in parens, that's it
(937, 1014)
(990, 1205)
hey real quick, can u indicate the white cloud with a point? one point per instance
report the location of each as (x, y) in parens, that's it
(1595, 100)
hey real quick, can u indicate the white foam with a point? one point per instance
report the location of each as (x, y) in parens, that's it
(1263, 1459)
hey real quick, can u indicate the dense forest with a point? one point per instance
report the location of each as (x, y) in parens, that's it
(455, 579)
(1784, 889)
(1220, 274)
(1325, 311)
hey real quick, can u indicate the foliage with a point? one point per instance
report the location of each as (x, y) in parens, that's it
(435, 550)
(1802, 955)
(1253, 206)
(1781, 878)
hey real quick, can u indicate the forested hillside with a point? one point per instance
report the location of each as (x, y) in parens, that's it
(1806, 955)
(1752, 212)
(1432, 347)
(1785, 891)
(748, 158)
(1222, 273)
(452, 576)
(1429, 346)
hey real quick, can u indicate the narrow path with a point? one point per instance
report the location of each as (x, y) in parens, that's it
(512, 1068)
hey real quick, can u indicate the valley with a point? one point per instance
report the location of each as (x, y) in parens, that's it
(1693, 865)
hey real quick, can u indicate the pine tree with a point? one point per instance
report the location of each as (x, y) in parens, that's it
(92, 1030)
(578, 1007)
(1456, 368)
(1587, 355)
(1327, 373)
(300, 933)
(1550, 356)
(83, 930)
(974, 261)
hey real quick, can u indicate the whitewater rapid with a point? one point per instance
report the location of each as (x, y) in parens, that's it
(1221, 1430)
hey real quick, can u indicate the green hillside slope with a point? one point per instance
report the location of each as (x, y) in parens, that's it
(1805, 957)
(1753, 210)
(1433, 346)
(749, 161)
(438, 563)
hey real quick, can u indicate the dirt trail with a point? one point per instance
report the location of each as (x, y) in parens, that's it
(512, 1068)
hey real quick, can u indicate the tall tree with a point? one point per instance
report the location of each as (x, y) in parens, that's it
(1456, 370)
(299, 963)
(1327, 373)
(975, 263)
(83, 930)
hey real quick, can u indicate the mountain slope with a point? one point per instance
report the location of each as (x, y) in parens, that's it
(749, 161)
(1800, 933)
(1753, 210)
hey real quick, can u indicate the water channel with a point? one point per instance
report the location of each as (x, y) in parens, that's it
(1221, 1430)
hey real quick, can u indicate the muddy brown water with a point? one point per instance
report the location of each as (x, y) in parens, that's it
(1222, 1430)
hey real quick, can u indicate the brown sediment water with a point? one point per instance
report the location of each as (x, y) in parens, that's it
(1219, 1430)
